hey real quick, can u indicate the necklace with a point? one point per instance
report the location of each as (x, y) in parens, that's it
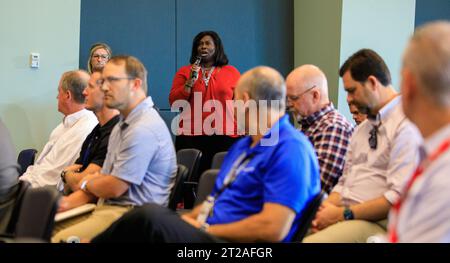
(207, 75)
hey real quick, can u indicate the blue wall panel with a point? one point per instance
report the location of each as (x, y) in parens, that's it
(429, 10)
(142, 28)
(160, 33)
(254, 32)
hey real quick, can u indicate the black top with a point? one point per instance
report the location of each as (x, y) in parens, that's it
(96, 144)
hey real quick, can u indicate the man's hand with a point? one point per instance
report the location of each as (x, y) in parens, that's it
(191, 221)
(328, 214)
(74, 200)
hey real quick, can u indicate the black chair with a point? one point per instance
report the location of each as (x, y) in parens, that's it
(206, 185)
(191, 159)
(37, 215)
(307, 217)
(14, 208)
(26, 158)
(176, 196)
(218, 160)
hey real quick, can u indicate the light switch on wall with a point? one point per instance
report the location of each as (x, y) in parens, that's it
(34, 60)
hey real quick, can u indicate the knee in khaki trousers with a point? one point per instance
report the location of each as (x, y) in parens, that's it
(352, 231)
(89, 225)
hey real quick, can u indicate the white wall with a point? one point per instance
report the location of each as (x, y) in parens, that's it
(28, 97)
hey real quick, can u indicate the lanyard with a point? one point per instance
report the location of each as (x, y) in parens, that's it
(240, 163)
(87, 152)
(207, 206)
(418, 173)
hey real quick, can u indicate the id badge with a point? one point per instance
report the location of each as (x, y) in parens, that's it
(206, 209)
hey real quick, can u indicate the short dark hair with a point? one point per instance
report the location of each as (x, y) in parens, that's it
(220, 58)
(365, 63)
(134, 68)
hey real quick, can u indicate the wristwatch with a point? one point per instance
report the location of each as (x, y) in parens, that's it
(84, 186)
(348, 214)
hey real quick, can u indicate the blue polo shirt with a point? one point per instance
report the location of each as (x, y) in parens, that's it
(286, 173)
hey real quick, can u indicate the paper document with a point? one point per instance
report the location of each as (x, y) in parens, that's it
(74, 212)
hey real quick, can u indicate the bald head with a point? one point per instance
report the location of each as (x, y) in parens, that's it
(307, 90)
(263, 84)
(427, 57)
(307, 76)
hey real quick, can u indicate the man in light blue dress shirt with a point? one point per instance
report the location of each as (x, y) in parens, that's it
(140, 165)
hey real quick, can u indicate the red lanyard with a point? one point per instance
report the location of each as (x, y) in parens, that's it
(419, 171)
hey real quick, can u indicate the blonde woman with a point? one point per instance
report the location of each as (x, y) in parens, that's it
(99, 54)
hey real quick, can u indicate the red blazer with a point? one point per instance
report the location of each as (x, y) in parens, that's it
(220, 89)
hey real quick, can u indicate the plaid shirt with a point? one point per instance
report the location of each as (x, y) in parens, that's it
(330, 134)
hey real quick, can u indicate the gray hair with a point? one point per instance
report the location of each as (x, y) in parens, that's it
(428, 58)
(264, 84)
(75, 81)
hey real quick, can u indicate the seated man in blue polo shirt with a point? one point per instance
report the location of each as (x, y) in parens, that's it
(261, 191)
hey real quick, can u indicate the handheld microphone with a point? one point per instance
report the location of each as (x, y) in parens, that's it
(197, 63)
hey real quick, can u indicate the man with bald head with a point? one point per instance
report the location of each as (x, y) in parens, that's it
(66, 139)
(269, 189)
(326, 128)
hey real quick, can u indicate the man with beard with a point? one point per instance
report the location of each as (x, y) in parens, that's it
(382, 153)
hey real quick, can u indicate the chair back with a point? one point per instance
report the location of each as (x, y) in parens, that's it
(206, 185)
(23, 186)
(26, 158)
(37, 213)
(176, 196)
(191, 159)
(307, 217)
(218, 160)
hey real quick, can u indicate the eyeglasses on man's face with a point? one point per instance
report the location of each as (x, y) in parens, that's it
(296, 97)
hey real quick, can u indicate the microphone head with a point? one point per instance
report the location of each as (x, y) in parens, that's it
(198, 59)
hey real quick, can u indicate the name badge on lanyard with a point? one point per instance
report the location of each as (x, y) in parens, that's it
(208, 205)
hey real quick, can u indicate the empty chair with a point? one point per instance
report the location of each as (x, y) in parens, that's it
(176, 196)
(206, 185)
(307, 217)
(26, 158)
(191, 159)
(37, 213)
(218, 160)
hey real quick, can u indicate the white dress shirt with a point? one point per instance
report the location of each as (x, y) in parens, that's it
(425, 214)
(62, 149)
(373, 173)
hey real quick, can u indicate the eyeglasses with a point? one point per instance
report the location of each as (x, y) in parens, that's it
(100, 56)
(294, 98)
(373, 140)
(111, 79)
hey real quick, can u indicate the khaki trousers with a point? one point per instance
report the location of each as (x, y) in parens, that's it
(352, 231)
(87, 226)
